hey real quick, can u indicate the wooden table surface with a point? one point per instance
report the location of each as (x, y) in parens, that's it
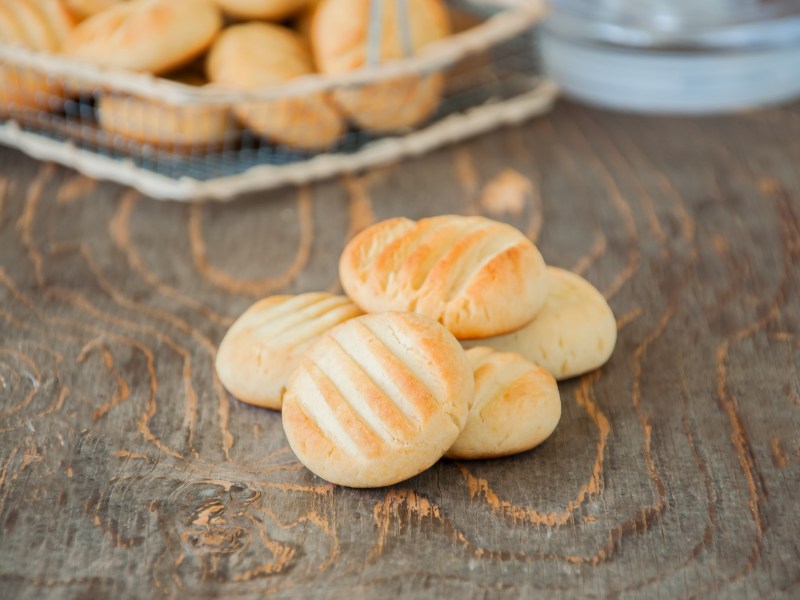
(127, 472)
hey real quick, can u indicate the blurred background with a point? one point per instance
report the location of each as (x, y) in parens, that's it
(234, 96)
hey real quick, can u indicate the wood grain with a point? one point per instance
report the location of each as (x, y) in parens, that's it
(126, 470)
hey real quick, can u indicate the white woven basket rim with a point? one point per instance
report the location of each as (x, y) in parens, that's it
(263, 177)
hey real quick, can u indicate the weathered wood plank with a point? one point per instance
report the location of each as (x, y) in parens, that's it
(126, 470)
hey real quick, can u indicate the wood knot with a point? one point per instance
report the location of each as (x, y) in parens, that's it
(219, 539)
(208, 525)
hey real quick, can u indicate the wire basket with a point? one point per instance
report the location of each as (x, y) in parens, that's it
(173, 140)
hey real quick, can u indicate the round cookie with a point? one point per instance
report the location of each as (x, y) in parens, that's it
(87, 8)
(238, 59)
(58, 19)
(378, 399)
(340, 40)
(516, 406)
(477, 277)
(178, 127)
(301, 22)
(574, 332)
(270, 10)
(153, 36)
(10, 31)
(391, 105)
(265, 344)
(28, 89)
(37, 25)
(32, 20)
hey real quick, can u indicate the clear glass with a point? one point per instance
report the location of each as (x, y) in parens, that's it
(675, 55)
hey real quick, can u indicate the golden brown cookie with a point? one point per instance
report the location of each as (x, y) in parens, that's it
(378, 399)
(179, 127)
(36, 24)
(268, 10)
(266, 343)
(32, 21)
(476, 276)
(516, 406)
(238, 60)
(574, 332)
(39, 25)
(87, 8)
(154, 36)
(339, 37)
(302, 20)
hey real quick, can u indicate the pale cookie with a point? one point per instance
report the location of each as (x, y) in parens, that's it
(516, 406)
(58, 19)
(339, 37)
(266, 343)
(39, 25)
(393, 104)
(238, 60)
(22, 89)
(477, 277)
(87, 8)
(378, 399)
(154, 36)
(575, 331)
(180, 127)
(32, 21)
(42, 25)
(301, 22)
(10, 30)
(269, 10)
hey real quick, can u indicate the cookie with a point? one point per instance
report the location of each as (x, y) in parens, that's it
(181, 128)
(58, 19)
(475, 276)
(265, 344)
(87, 8)
(238, 60)
(301, 22)
(340, 40)
(574, 332)
(391, 105)
(26, 89)
(32, 22)
(378, 399)
(154, 36)
(269, 10)
(516, 406)
(41, 25)
(36, 24)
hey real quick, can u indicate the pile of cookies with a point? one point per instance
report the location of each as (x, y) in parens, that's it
(239, 45)
(448, 343)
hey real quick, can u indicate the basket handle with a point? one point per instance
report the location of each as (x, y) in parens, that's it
(374, 32)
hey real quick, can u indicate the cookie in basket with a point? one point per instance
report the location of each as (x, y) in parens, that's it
(40, 25)
(476, 276)
(267, 342)
(172, 126)
(340, 40)
(516, 406)
(253, 56)
(378, 399)
(153, 36)
(87, 8)
(268, 10)
(301, 22)
(575, 331)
